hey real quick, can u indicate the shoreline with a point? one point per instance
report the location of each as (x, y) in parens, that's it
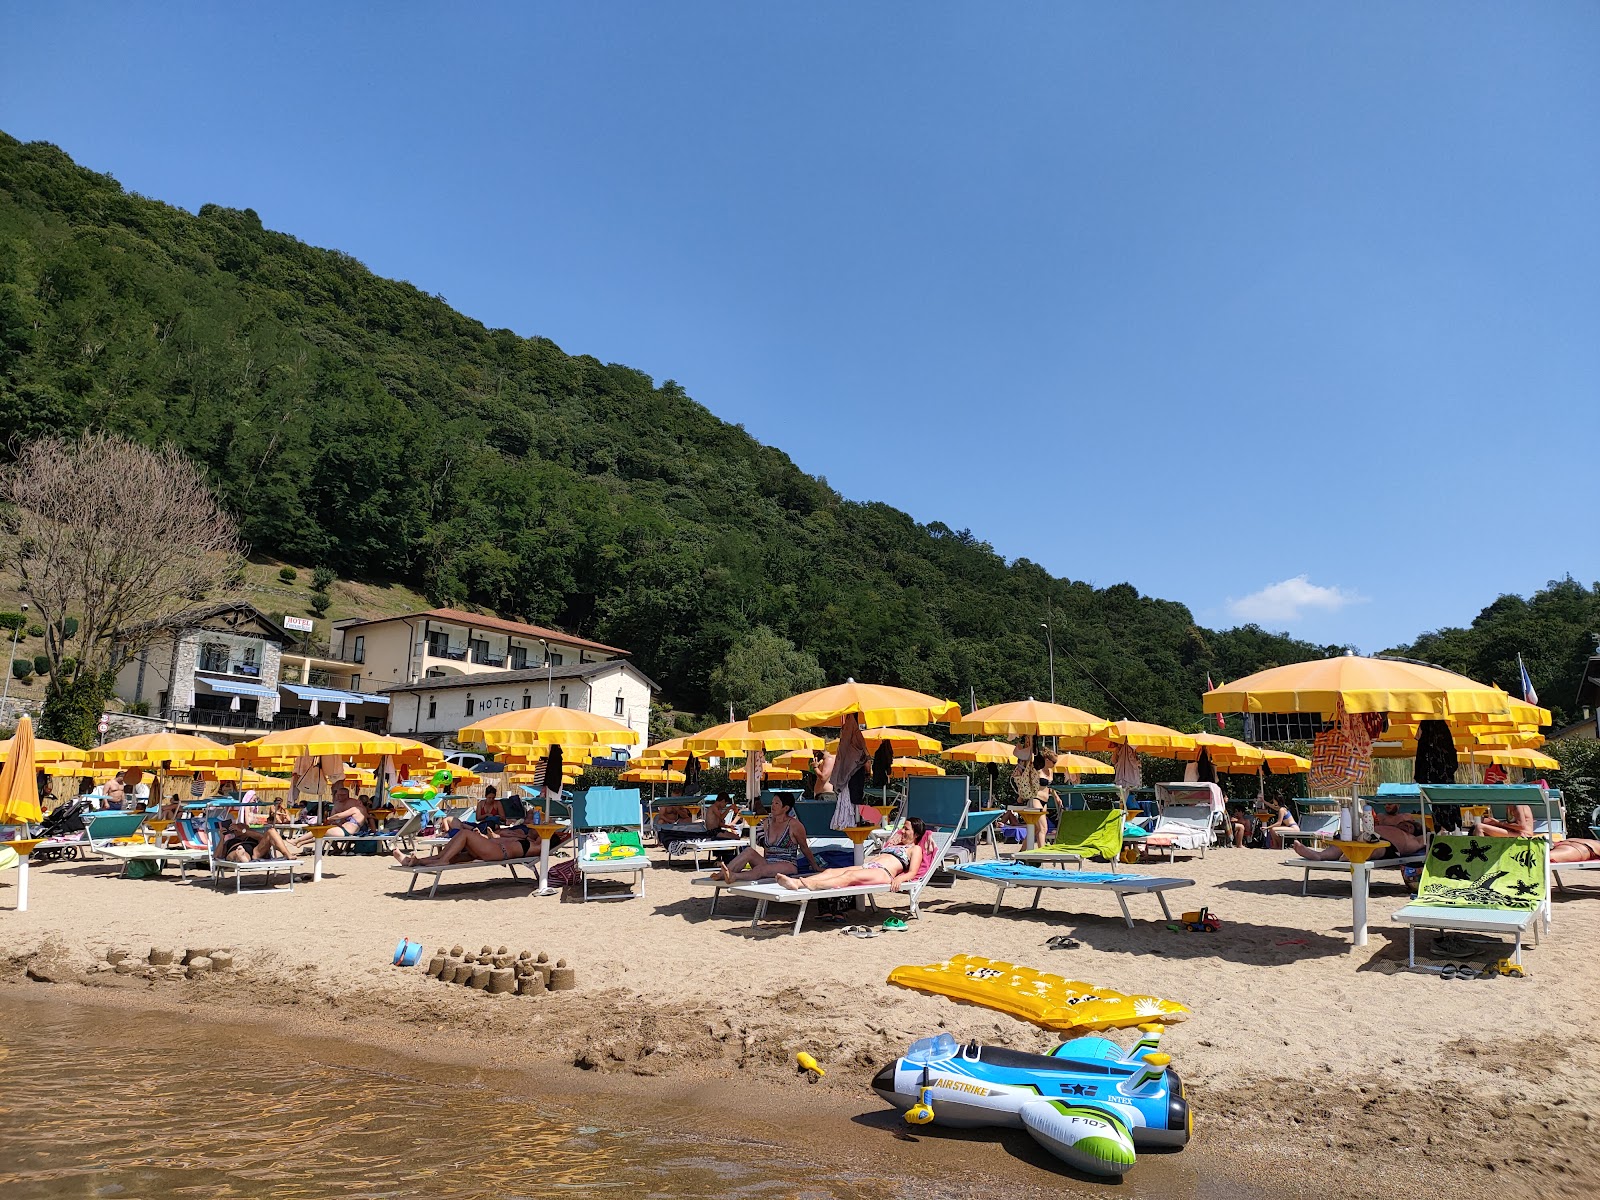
(678, 1015)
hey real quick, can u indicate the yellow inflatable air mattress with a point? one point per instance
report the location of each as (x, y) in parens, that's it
(1041, 999)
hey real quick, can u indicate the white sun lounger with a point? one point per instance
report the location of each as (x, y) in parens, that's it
(1120, 884)
(264, 868)
(1509, 917)
(1339, 866)
(150, 852)
(437, 870)
(767, 892)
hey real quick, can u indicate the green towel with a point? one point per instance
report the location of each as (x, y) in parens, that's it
(1470, 872)
(1093, 834)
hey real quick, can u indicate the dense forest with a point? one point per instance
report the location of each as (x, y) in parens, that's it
(357, 423)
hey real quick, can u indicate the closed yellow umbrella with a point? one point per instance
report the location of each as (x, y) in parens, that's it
(738, 737)
(19, 786)
(901, 741)
(1033, 718)
(874, 703)
(549, 723)
(46, 751)
(1362, 685)
(1078, 764)
(981, 752)
(154, 749)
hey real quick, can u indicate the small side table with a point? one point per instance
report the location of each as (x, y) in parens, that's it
(24, 848)
(545, 832)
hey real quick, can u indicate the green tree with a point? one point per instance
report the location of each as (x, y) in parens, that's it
(761, 668)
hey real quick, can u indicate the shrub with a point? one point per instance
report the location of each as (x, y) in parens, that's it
(322, 578)
(41, 664)
(35, 630)
(11, 621)
(288, 574)
(22, 669)
(320, 602)
(139, 708)
(69, 628)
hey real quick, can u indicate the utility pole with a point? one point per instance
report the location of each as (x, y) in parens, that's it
(5, 694)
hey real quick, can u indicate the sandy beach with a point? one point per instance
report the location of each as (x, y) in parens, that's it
(1312, 1067)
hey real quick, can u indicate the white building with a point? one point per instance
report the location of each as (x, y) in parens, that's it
(433, 709)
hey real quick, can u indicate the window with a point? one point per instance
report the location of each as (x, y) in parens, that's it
(359, 654)
(355, 683)
(439, 644)
(618, 709)
(563, 700)
(479, 649)
(555, 659)
(527, 699)
(469, 706)
(519, 658)
(213, 657)
(433, 708)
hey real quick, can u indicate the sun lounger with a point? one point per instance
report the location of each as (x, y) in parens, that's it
(1314, 827)
(438, 870)
(383, 840)
(1081, 834)
(150, 852)
(1338, 866)
(1482, 885)
(704, 847)
(939, 802)
(264, 868)
(100, 831)
(1121, 884)
(606, 821)
(1188, 818)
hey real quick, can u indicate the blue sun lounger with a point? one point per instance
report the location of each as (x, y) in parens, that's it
(1121, 884)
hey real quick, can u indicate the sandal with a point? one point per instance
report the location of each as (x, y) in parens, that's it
(861, 931)
(1451, 971)
(895, 924)
(1062, 942)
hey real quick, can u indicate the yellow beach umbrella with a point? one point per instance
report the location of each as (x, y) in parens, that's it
(46, 751)
(532, 755)
(1078, 764)
(672, 750)
(1281, 762)
(874, 703)
(154, 749)
(738, 737)
(1362, 685)
(19, 786)
(1145, 737)
(1509, 757)
(981, 752)
(315, 741)
(1032, 717)
(65, 768)
(794, 760)
(548, 723)
(768, 774)
(901, 741)
(905, 768)
(651, 775)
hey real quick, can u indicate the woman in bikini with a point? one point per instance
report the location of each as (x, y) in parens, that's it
(900, 858)
(510, 841)
(488, 814)
(1575, 850)
(241, 844)
(783, 845)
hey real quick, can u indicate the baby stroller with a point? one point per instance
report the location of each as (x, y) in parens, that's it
(63, 824)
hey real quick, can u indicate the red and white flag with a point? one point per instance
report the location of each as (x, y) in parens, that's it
(1211, 687)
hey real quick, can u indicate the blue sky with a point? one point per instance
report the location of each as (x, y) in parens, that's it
(1289, 312)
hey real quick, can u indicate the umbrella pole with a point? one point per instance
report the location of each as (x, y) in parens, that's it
(1359, 876)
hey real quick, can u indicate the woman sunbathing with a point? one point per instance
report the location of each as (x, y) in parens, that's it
(783, 846)
(1575, 850)
(510, 841)
(1403, 833)
(900, 858)
(243, 844)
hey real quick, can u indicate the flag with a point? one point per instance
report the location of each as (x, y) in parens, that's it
(1528, 694)
(1211, 687)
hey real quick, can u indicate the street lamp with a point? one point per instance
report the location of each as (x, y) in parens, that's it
(1051, 646)
(549, 675)
(5, 694)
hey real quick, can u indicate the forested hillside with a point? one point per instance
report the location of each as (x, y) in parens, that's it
(358, 423)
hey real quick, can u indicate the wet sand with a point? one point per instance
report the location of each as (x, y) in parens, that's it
(1309, 1064)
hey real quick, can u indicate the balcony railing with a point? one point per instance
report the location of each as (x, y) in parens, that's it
(297, 720)
(436, 651)
(484, 658)
(214, 718)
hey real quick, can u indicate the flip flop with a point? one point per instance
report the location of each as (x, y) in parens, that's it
(1449, 971)
(861, 931)
(895, 924)
(1062, 942)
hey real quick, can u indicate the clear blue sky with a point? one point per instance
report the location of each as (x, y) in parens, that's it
(1204, 297)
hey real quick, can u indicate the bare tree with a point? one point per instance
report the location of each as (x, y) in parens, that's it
(111, 539)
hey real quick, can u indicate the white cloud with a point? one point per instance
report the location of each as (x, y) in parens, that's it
(1289, 599)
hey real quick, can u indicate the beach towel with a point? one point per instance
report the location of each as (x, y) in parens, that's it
(1470, 872)
(1125, 768)
(1096, 833)
(849, 761)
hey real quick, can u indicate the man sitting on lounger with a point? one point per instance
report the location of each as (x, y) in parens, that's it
(900, 858)
(1518, 823)
(783, 846)
(1403, 833)
(350, 816)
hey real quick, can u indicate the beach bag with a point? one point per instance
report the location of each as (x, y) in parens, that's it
(143, 868)
(1339, 756)
(565, 874)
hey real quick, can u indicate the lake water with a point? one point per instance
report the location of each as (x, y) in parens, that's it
(101, 1103)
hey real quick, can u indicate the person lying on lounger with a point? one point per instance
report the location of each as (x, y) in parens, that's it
(900, 858)
(783, 845)
(1518, 823)
(467, 844)
(1575, 850)
(243, 844)
(1403, 833)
